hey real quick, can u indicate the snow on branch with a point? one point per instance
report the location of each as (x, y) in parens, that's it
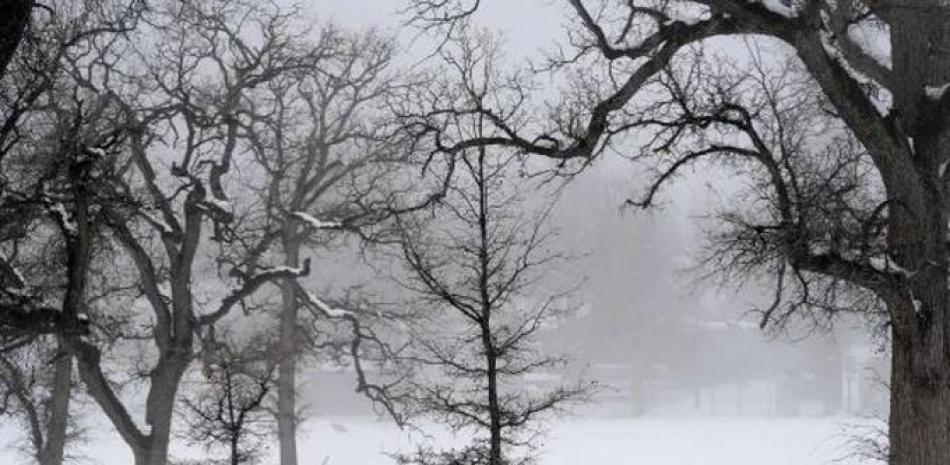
(881, 102)
(251, 284)
(888, 264)
(689, 18)
(156, 221)
(936, 92)
(330, 312)
(97, 151)
(876, 47)
(10, 276)
(285, 270)
(316, 223)
(779, 7)
(59, 210)
(220, 204)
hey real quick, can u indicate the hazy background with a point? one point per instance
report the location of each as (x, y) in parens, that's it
(681, 355)
(663, 341)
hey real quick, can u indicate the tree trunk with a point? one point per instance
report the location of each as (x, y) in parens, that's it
(160, 408)
(57, 428)
(235, 454)
(494, 408)
(151, 448)
(919, 424)
(920, 411)
(287, 365)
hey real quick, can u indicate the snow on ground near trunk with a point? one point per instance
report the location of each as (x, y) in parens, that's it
(712, 441)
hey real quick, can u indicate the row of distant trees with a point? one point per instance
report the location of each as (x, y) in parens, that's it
(173, 176)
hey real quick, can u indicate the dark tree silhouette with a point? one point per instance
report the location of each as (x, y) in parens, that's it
(477, 261)
(53, 139)
(159, 222)
(228, 411)
(891, 102)
(13, 22)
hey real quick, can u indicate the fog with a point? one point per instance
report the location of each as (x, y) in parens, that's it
(679, 367)
(663, 335)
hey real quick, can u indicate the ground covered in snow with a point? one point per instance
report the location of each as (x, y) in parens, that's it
(659, 441)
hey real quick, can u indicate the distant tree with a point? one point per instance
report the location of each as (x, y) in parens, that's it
(35, 390)
(228, 411)
(322, 155)
(475, 263)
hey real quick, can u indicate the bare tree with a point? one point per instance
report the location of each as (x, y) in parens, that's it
(54, 137)
(888, 92)
(474, 269)
(187, 97)
(322, 154)
(229, 410)
(813, 189)
(32, 395)
(192, 84)
(476, 263)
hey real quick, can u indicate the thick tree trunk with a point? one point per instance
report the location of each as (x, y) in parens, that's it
(147, 449)
(920, 410)
(919, 422)
(57, 428)
(287, 365)
(79, 255)
(160, 408)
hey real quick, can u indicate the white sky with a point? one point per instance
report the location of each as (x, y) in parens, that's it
(526, 25)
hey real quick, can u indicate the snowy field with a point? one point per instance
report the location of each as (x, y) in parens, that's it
(655, 441)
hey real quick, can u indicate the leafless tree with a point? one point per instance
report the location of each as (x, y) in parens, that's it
(892, 103)
(476, 263)
(194, 84)
(180, 86)
(53, 139)
(60, 259)
(813, 190)
(322, 150)
(229, 410)
(30, 388)
(474, 269)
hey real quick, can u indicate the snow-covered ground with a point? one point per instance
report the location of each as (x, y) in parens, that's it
(659, 441)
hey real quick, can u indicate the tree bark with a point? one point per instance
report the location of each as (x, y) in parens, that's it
(494, 408)
(13, 21)
(491, 354)
(147, 449)
(235, 453)
(57, 428)
(920, 410)
(287, 365)
(920, 365)
(160, 408)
